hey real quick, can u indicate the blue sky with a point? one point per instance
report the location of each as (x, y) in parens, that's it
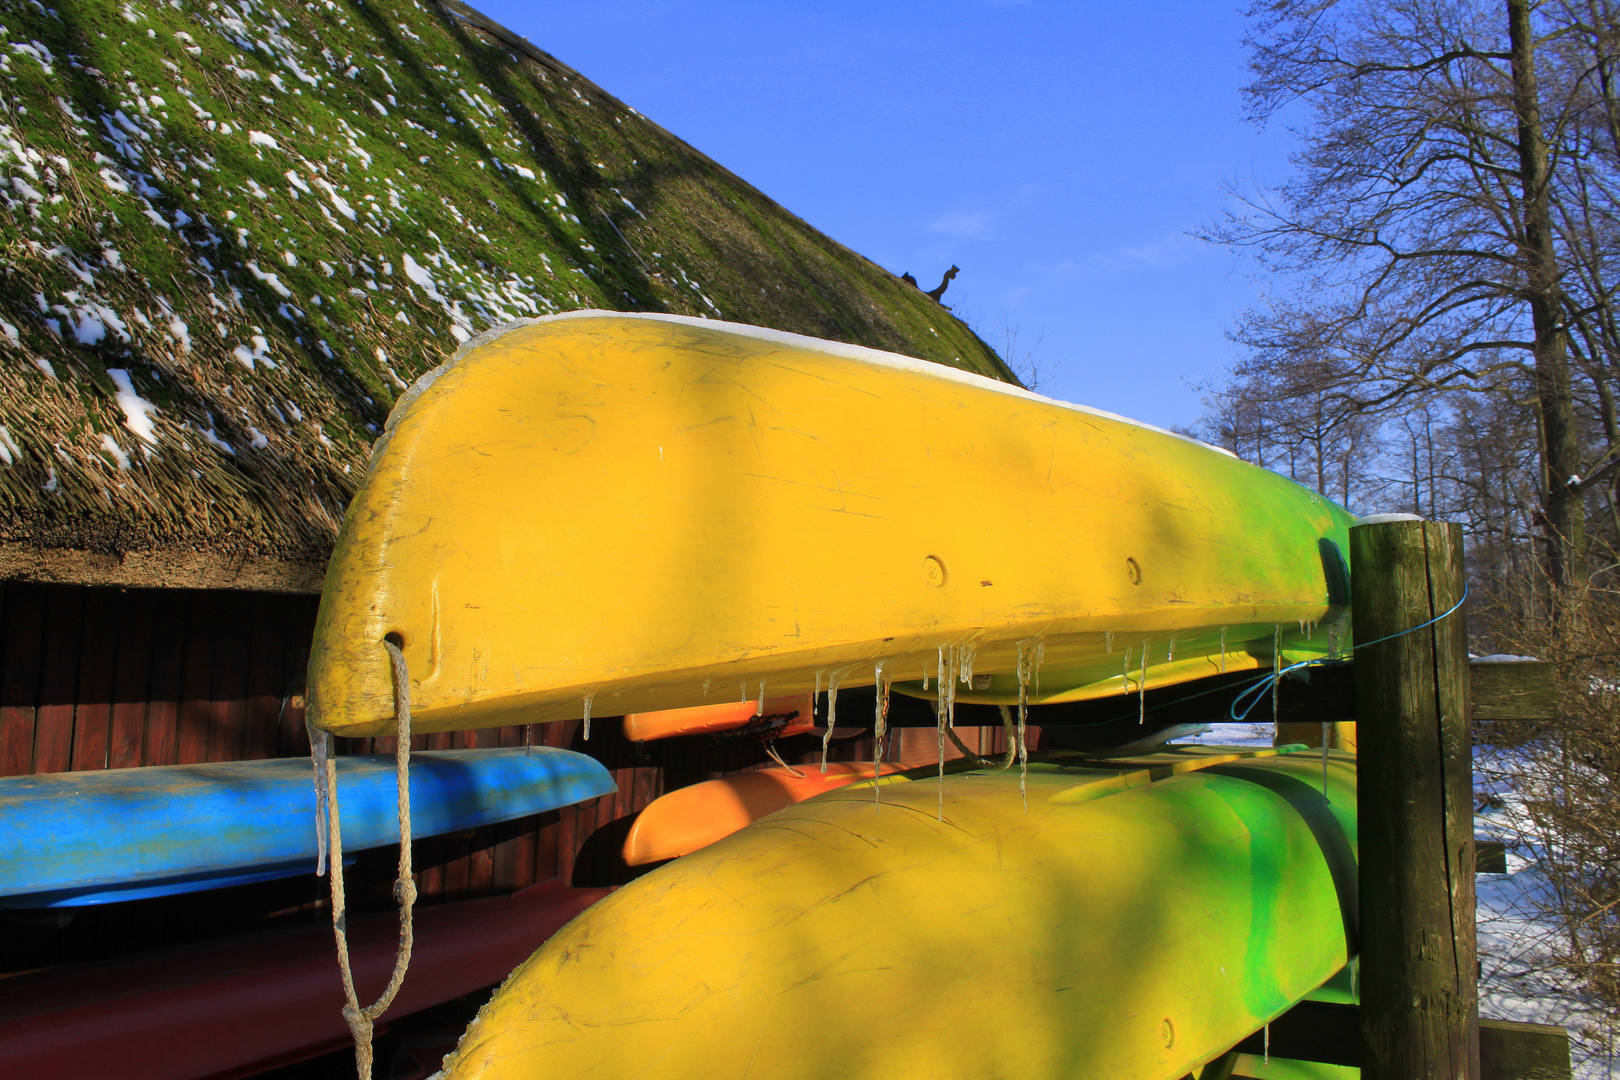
(1057, 152)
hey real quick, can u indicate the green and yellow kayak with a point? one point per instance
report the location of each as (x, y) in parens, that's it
(645, 512)
(1140, 919)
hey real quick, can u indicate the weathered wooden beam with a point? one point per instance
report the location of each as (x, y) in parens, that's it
(1497, 690)
(1514, 1051)
(1521, 690)
(1330, 1033)
(1419, 995)
(1512, 690)
(1490, 857)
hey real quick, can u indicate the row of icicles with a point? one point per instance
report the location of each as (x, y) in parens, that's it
(954, 666)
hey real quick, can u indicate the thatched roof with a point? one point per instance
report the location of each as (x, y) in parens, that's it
(235, 232)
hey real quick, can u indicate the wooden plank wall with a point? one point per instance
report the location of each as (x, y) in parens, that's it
(114, 678)
(96, 678)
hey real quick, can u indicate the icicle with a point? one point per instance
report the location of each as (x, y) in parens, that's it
(528, 740)
(944, 709)
(964, 665)
(1108, 642)
(319, 749)
(833, 679)
(1125, 673)
(1141, 687)
(1026, 664)
(742, 691)
(1276, 668)
(590, 697)
(1170, 653)
(1040, 657)
(925, 675)
(1010, 730)
(760, 710)
(815, 693)
(1267, 1039)
(706, 683)
(1324, 761)
(1223, 650)
(880, 728)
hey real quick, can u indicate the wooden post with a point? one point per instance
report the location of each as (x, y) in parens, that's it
(1419, 988)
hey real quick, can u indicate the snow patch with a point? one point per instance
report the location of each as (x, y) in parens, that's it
(90, 329)
(339, 203)
(137, 410)
(259, 138)
(115, 451)
(215, 441)
(272, 280)
(10, 452)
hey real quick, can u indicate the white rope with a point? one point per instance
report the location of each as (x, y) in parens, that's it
(775, 755)
(361, 1021)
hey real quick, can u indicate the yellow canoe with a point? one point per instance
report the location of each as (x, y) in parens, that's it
(631, 513)
(1139, 920)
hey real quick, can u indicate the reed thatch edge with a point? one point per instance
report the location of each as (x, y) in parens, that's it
(153, 569)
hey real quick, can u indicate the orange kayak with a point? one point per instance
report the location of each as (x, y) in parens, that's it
(797, 711)
(694, 817)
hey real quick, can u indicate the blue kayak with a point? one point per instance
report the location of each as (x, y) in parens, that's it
(71, 839)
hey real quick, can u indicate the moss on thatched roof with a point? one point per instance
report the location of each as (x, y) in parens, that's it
(233, 233)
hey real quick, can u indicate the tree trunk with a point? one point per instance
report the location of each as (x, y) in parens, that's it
(1563, 516)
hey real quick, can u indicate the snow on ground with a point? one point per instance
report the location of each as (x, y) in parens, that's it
(1238, 734)
(1519, 977)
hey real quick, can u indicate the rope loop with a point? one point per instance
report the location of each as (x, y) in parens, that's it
(1255, 692)
(362, 1021)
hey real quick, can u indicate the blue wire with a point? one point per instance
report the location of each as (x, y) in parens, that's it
(1263, 686)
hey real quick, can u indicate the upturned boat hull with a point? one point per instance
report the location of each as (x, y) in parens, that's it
(70, 839)
(1140, 919)
(631, 513)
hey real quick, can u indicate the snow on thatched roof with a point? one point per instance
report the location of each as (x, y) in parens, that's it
(233, 233)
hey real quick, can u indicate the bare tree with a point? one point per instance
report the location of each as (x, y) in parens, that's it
(1028, 358)
(1450, 225)
(1291, 424)
(1448, 252)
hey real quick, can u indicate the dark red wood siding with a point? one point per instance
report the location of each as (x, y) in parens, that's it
(96, 678)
